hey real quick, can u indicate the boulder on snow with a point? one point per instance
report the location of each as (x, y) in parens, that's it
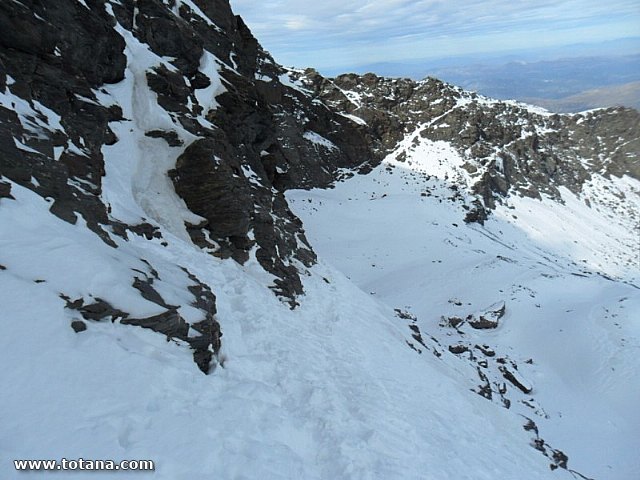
(486, 350)
(458, 349)
(453, 322)
(482, 323)
(489, 318)
(78, 326)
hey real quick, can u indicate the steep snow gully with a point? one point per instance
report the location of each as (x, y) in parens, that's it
(381, 279)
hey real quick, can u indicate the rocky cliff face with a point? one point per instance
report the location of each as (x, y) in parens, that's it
(235, 135)
(174, 104)
(508, 147)
(247, 135)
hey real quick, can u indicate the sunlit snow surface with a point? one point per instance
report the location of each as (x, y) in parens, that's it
(554, 265)
(329, 390)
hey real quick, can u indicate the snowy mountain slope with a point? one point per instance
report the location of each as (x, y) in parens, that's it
(328, 390)
(567, 275)
(145, 151)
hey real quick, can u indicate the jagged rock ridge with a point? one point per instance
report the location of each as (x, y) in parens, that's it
(509, 147)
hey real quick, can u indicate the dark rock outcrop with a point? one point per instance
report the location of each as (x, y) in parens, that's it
(169, 322)
(509, 375)
(5, 190)
(488, 319)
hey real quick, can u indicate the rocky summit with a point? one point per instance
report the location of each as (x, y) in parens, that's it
(158, 170)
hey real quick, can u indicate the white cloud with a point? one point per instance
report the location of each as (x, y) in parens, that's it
(297, 22)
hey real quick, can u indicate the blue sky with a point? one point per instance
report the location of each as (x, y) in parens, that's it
(339, 34)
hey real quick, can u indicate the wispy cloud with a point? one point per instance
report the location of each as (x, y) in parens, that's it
(338, 33)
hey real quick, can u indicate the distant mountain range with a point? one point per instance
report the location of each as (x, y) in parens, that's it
(549, 80)
(627, 94)
(565, 85)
